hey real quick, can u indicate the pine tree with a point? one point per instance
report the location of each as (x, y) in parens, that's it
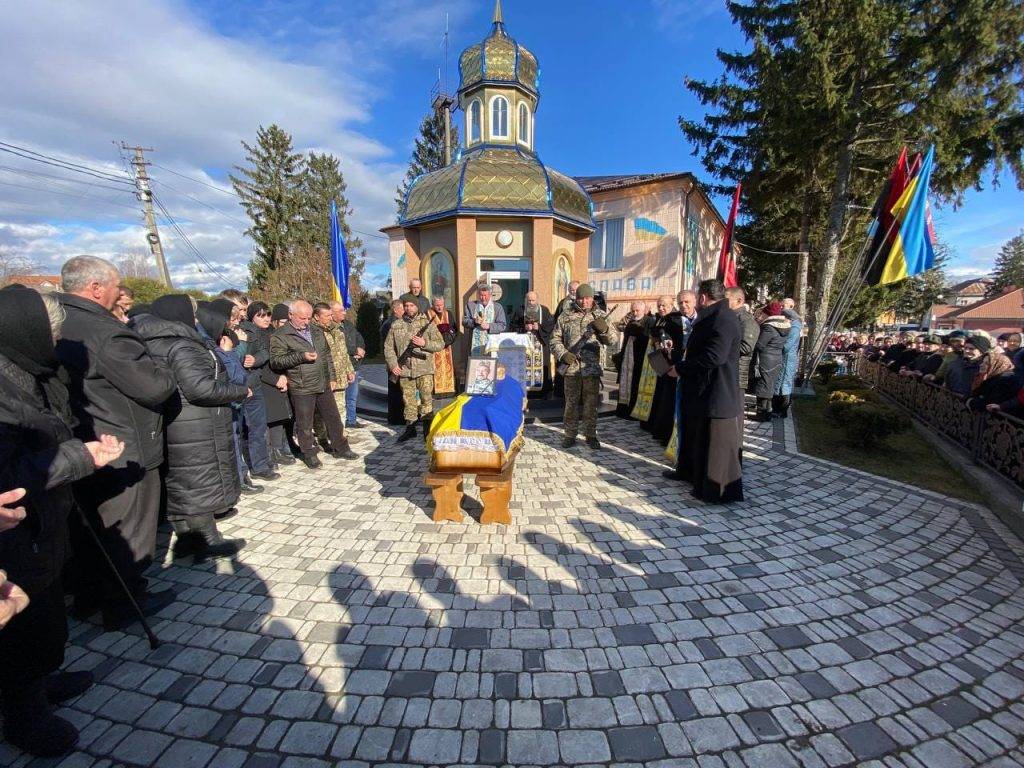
(812, 117)
(268, 189)
(429, 152)
(1009, 268)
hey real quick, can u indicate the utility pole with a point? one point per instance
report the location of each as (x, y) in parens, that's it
(443, 102)
(145, 194)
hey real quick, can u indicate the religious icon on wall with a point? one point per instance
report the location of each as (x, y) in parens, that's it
(563, 276)
(441, 278)
(481, 376)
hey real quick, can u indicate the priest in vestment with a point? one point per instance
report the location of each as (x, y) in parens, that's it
(538, 321)
(712, 404)
(668, 330)
(444, 365)
(635, 330)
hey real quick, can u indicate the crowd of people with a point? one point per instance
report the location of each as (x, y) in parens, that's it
(114, 415)
(986, 372)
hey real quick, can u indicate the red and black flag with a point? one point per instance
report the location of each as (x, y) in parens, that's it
(883, 230)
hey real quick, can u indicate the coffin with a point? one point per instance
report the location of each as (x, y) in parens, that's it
(475, 433)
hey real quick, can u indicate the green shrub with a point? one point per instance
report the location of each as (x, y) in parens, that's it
(867, 424)
(845, 382)
(827, 370)
(841, 401)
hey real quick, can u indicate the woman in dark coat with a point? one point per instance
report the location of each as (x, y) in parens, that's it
(769, 356)
(274, 386)
(201, 477)
(663, 407)
(38, 454)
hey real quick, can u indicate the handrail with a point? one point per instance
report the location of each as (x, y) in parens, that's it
(994, 440)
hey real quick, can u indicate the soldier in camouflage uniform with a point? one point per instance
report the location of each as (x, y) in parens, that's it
(344, 371)
(576, 342)
(414, 332)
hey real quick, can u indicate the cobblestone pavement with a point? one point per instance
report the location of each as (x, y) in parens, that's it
(832, 619)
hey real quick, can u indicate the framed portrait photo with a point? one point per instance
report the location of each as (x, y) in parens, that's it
(481, 376)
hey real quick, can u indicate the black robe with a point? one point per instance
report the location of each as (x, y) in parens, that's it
(635, 338)
(396, 408)
(663, 405)
(547, 326)
(712, 407)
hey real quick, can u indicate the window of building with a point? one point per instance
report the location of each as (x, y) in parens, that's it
(473, 119)
(630, 283)
(524, 123)
(606, 244)
(499, 117)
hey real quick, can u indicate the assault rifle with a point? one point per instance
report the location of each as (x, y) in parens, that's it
(411, 351)
(561, 368)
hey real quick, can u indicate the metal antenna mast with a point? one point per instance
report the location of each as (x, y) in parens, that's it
(443, 101)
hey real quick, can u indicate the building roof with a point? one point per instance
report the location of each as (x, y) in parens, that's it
(497, 181)
(36, 281)
(1009, 305)
(500, 60)
(976, 286)
(940, 310)
(604, 183)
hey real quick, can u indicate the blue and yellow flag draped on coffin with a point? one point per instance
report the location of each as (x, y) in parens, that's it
(481, 424)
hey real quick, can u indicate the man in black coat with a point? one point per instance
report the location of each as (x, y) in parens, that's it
(712, 406)
(299, 350)
(117, 389)
(737, 299)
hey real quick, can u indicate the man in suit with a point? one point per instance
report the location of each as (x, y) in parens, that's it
(482, 318)
(712, 436)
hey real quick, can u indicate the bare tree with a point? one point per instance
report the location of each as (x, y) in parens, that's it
(12, 265)
(136, 263)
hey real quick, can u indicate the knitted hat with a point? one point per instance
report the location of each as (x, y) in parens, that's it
(932, 340)
(984, 343)
(280, 312)
(774, 308)
(408, 298)
(584, 290)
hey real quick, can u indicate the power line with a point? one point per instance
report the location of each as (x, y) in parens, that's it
(28, 172)
(66, 165)
(185, 239)
(66, 194)
(235, 194)
(223, 213)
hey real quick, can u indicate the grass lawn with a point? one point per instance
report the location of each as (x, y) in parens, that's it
(907, 458)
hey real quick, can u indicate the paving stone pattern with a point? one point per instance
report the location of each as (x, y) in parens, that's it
(831, 619)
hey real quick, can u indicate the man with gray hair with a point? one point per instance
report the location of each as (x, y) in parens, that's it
(116, 389)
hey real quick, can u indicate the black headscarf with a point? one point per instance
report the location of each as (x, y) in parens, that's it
(280, 312)
(223, 306)
(176, 307)
(213, 319)
(256, 308)
(25, 335)
(139, 309)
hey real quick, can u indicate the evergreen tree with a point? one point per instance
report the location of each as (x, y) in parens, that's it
(268, 189)
(1009, 268)
(812, 117)
(429, 152)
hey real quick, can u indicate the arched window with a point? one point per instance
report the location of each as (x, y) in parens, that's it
(473, 120)
(499, 117)
(524, 123)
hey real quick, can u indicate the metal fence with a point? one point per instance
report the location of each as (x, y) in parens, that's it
(994, 440)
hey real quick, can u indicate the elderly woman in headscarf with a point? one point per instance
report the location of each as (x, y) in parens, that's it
(38, 453)
(769, 357)
(994, 380)
(201, 478)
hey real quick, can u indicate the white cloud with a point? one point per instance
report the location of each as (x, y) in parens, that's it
(683, 16)
(76, 76)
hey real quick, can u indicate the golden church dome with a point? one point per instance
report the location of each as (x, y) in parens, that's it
(497, 181)
(498, 59)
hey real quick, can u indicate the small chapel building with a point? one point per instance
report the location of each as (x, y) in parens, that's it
(499, 215)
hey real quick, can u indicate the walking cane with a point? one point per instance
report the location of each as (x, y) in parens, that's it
(154, 643)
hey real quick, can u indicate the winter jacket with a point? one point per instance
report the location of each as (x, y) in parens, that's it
(769, 353)
(277, 404)
(748, 340)
(116, 387)
(574, 333)
(927, 363)
(38, 453)
(420, 361)
(339, 353)
(960, 375)
(201, 470)
(709, 372)
(287, 350)
(498, 325)
(257, 345)
(354, 341)
(790, 355)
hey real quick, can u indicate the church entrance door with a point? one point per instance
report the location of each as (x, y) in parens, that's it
(511, 277)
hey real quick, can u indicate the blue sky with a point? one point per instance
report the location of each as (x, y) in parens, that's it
(352, 77)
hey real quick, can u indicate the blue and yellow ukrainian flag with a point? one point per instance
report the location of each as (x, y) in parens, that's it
(912, 251)
(648, 230)
(339, 260)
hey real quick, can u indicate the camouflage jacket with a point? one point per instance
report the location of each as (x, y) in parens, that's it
(421, 361)
(573, 324)
(339, 351)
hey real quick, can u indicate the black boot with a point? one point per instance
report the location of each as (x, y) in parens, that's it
(62, 686)
(409, 434)
(428, 420)
(212, 541)
(284, 458)
(311, 461)
(249, 487)
(30, 725)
